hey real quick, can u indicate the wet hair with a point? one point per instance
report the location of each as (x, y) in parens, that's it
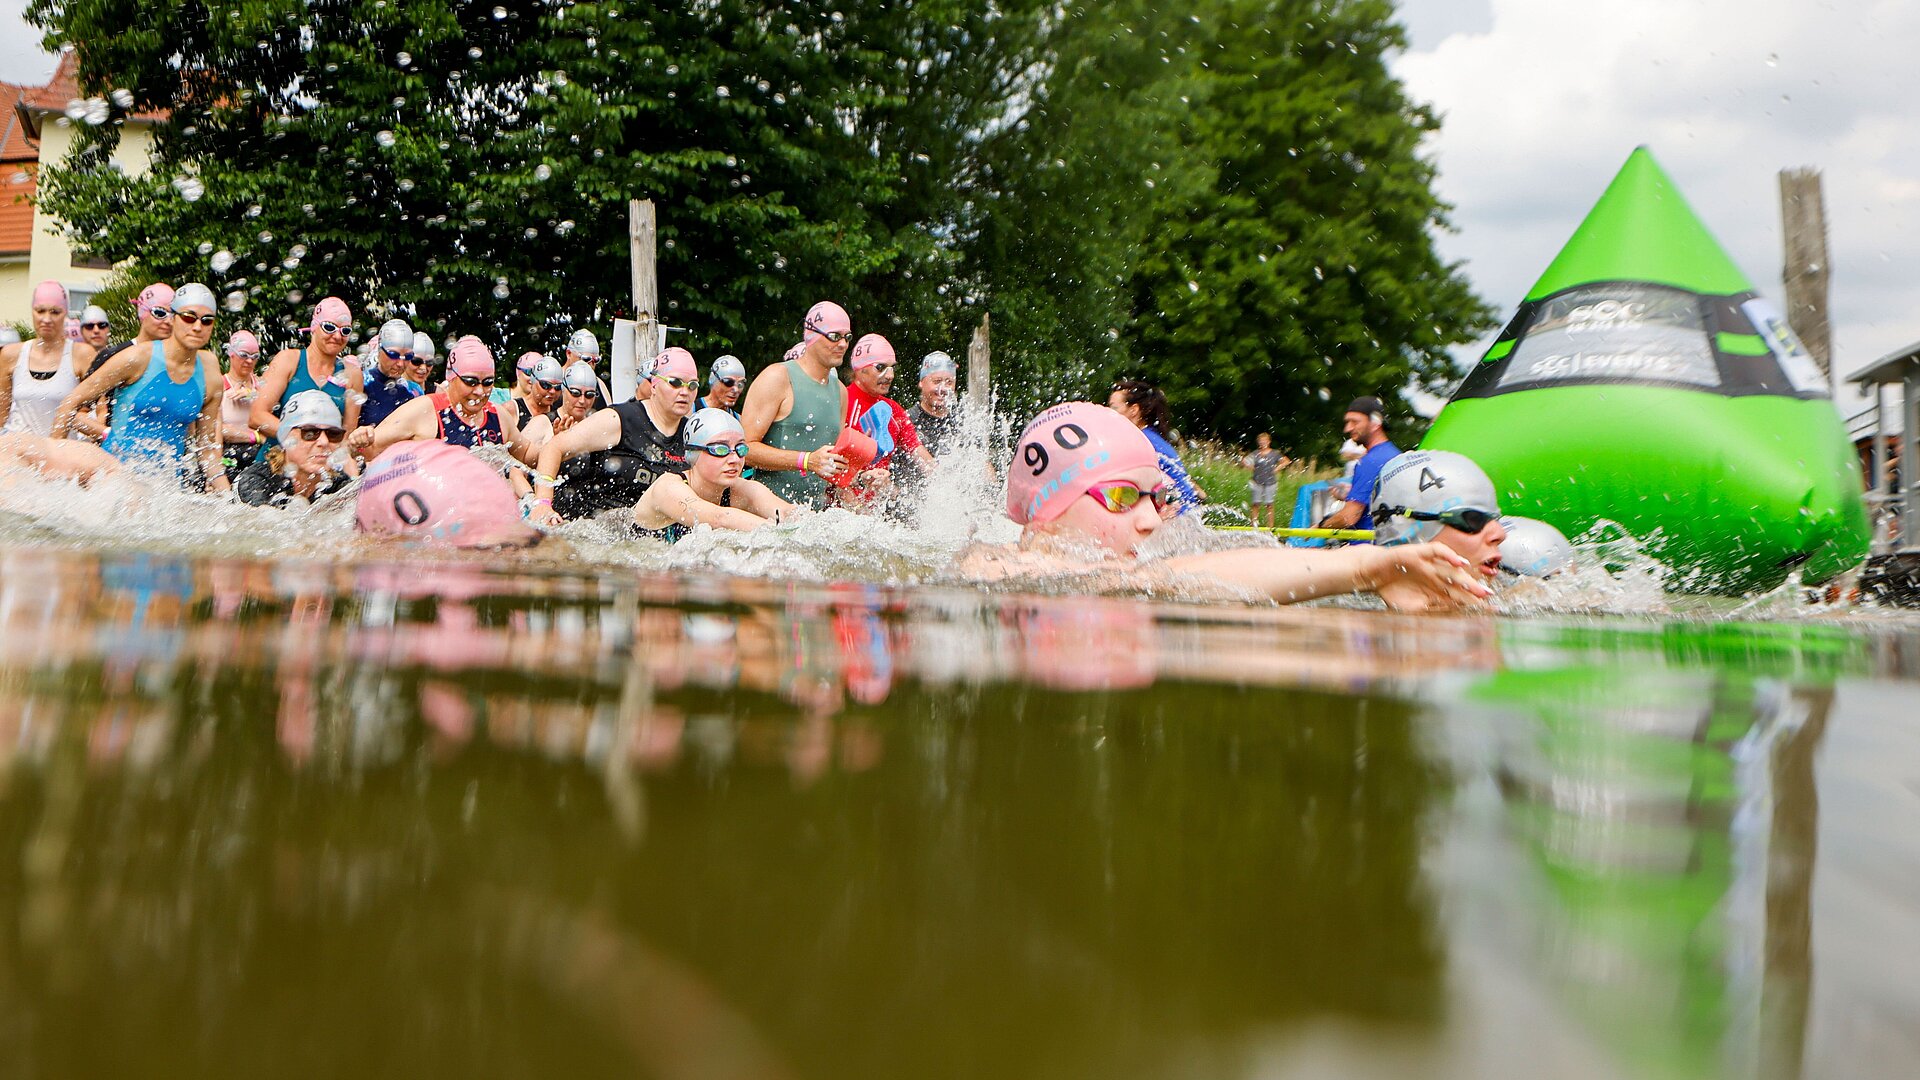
(1152, 404)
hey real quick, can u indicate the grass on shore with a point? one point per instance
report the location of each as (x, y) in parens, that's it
(1217, 469)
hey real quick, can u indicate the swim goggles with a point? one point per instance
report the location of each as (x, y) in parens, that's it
(729, 383)
(160, 312)
(835, 336)
(476, 380)
(420, 361)
(191, 319)
(571, 392)
(721, 450)
(334, 328)
(678, 383)
(93, 326)
(1120, 496)
(1468, 519)
(393, 354)
(313, 434)
(880, 369)
(549, 387)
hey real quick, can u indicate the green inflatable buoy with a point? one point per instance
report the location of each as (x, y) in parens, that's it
(1644, 383)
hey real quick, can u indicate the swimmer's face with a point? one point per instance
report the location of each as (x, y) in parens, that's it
(50, 322)
(1482, 549)
(193, 325)
(94, 334)
(720, 470)
(936, 390)
(829, 353)
(1262, 441)
(156, 327)
(678, 400)
(1117, 401)
(722, 396)
(311, 457)
(875, 379)
(331, 345)
(1122, 533)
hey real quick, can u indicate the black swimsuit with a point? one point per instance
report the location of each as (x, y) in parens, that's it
(672, 533)
(617, 477)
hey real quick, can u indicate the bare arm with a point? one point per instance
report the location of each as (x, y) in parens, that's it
(273, 385)
(1344, 518)
(414, 420)
(670, 500)
(597, 432)
(754, 496)
(769, 398)
(122, 370)
(1415, 577)
(523, 449)
(206, 432)
(9, 356)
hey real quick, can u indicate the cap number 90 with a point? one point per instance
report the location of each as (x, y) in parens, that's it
(1068, 436)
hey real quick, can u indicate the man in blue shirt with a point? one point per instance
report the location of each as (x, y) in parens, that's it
(1365, 424)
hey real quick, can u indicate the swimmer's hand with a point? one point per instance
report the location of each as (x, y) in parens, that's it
(826, 461)
(544, 516)
(360, 438)
(1421, 577)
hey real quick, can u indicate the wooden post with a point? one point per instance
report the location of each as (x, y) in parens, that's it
(646, 281)
(1803, 223)
(980, 365)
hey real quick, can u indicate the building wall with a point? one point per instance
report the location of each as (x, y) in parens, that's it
(52, 256)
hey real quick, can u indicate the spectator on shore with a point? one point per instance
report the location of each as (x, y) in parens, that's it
(1266, 463)
(1143, 403)
(1366, 425)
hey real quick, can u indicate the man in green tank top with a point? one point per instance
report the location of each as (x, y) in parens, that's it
(794, 410)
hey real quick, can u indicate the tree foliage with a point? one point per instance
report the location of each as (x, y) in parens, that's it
(1227, 198)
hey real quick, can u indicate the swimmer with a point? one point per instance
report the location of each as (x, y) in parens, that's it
(794, 410)
(726, 381)
(35, 376)
(168, 408)
(153, 312)
(386, 381)
(430, 492)
(94, 328)
(55, 459)
(562, 400)
(420, 368)
(535, 396)
(298, 468)
(323, 365)
(240, 444)
(584, 348)
(1084, 476)
(461, 414)
(1438, 495)
(609, 460)
(711, 491)
(1533, 549)
(884, 421)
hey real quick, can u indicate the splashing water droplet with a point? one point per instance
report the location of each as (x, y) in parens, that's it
(236, 300)
(122, 97)
(404, 184)
(222, 261)
(404, 59)
(563, 228)
(499, 14)
(542, 172)
(189, 187)
(266, 237)
(298, 251)
(206, 248)
(500, 291)
(385, 138)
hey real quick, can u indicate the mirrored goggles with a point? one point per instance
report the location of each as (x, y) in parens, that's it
(1120, 496)
(721, 450)
(1468, 519)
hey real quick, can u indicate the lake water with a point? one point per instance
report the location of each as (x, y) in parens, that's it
(331, 813)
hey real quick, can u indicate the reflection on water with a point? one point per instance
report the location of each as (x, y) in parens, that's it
(303, 818)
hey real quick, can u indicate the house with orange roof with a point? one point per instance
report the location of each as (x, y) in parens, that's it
(38, 133)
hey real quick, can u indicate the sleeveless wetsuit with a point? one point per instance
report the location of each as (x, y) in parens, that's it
(150, 418)
(383, 396)
(37, 394)
(617, 477)
(455, 430)
(813, 423)
(672, 533)
(303, 380)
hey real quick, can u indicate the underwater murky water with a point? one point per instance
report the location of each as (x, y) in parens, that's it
(302, 817)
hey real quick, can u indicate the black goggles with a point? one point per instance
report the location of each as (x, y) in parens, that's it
(1467, 519)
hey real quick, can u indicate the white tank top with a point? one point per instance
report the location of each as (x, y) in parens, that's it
(36, 400)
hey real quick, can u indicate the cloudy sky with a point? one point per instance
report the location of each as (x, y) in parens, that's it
(1543, 100)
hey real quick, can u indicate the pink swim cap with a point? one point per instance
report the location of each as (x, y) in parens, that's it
(243, 341)
(676, 362)
(439, 493)
(871, 349)
(50, 294)
(1066, 450)
(825, 317)
(794, 352)
(333, 310)
(526, 362)
(157, 295)
(470, 356)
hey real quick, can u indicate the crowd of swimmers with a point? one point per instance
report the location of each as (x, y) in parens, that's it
(471, 459)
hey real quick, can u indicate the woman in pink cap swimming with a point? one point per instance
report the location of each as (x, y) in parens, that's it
(609, 460)
(711, 491)
(324, 365)
(435, 493)
(461, 413)
(1084, 477)
(36, 375)
(240, 442)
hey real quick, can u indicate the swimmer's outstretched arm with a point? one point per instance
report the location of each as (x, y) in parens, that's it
(1413, 577)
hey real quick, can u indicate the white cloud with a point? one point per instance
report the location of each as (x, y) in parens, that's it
(21, 61)
(1543, 105)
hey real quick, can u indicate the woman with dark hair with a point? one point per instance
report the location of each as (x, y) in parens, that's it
(1142, 402)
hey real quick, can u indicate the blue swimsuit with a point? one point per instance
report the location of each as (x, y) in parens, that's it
(151, 417)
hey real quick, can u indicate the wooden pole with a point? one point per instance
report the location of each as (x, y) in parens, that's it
(980, 365)
(646, 282)
(1803, 223)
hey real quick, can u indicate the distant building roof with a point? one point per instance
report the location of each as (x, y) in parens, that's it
(60, 91)
(14, 144)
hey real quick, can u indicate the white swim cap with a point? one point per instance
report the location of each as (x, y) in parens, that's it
(937, 362)
(726, 367)
(547, 370)
(93, 314)
(1427, 482)
(1534, 548)
(581, 377)
(709, 425)
(583, 343)
(310, 408)
(194, 294)
(423, 346)
(395, 334)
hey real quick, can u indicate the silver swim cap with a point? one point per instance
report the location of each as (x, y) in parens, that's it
(194, 294)
(423, 346)
(726, 367)
(93, 314)
(936, 363)
(310, 408)
(709, 425)
(581, 377)
(546, 370)
(395, 334)
(1534, 548)
(583, 343)
(1427, 482)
